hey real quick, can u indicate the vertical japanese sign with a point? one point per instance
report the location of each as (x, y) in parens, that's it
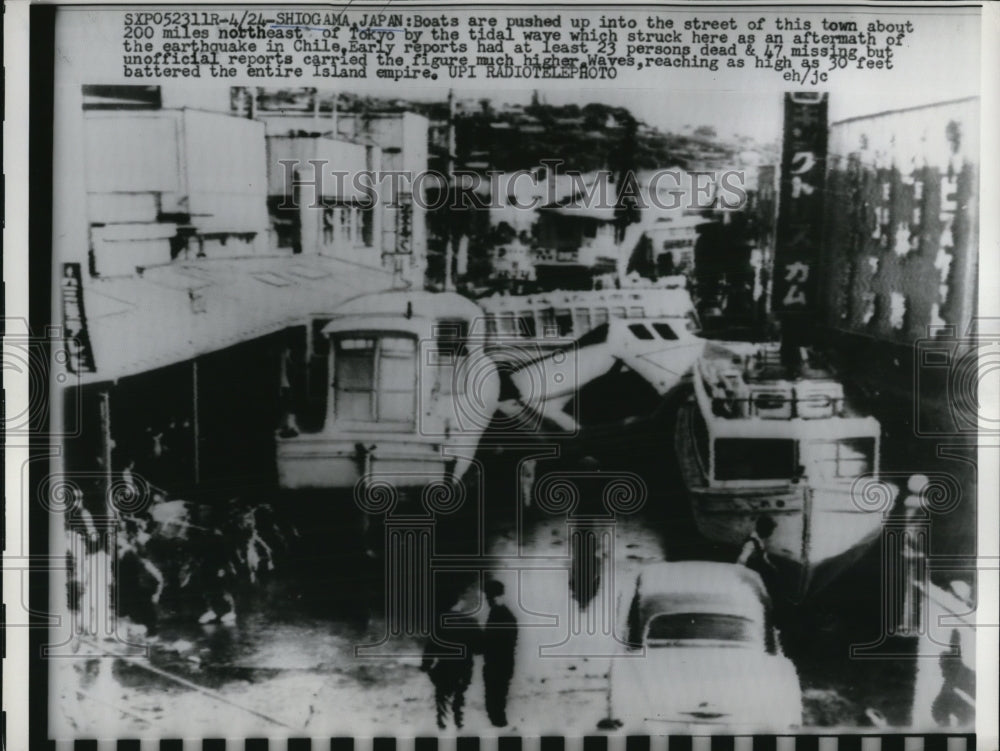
(81, 356)
(800, 208)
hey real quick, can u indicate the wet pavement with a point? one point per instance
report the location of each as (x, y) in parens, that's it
(288, 664)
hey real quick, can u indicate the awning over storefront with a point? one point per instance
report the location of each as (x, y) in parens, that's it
(176, 312)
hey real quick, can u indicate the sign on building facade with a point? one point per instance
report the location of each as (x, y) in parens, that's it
(800, 209)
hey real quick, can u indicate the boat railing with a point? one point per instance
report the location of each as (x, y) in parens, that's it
(774, 406)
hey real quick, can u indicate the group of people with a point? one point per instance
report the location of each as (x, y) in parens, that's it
(448, 660)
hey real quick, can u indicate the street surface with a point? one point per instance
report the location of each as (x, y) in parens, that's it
(281, 664)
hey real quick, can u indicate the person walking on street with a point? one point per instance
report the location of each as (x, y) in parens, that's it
(499, 641)
(586, 546)
(754, 553)
(452, 674)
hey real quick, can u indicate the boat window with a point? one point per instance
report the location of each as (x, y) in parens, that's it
(564, 320)
(618, 312)
(755, 459)
(600, 316)
(845, 458)
(548, 321)
(687, 626)
(397, 374)
(507, 324)
(354, 380)
(528, 323)
(641, 332)
(368, 226)
(451, 337)
(637, 311)
(664, 331)
(582, 320)
(491, 324)
(375, 379)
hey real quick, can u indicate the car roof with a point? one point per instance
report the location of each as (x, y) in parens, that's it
(701, 586)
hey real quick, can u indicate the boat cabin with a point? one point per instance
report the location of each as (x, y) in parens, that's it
(556, 317)
(403, 377)
(756, 425)
(751, 382)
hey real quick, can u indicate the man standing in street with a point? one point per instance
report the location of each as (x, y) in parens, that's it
(754, 553)
(452, 674)
(499, 641)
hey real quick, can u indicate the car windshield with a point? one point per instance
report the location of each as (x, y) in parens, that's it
(689, 626)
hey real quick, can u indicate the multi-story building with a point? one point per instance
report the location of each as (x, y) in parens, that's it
(403, 140)
(185, 301)
(164, 184)
(392, 233)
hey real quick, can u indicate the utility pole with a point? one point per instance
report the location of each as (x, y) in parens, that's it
(449, 248)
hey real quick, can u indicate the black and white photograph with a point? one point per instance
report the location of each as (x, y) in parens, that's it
(509, 372)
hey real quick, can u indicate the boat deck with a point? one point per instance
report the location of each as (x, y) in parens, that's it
(743, 380)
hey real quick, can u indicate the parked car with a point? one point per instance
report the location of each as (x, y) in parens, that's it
(701, 654)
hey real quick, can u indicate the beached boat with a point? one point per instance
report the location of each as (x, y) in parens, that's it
(550, 320)
(407, 383)
(756, 440)
(609, 381)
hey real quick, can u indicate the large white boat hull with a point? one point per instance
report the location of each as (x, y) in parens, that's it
(308, 462)
(820, 531)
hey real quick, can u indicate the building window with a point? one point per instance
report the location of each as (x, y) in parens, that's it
(327, 225)
(367, 226)
(287, 224)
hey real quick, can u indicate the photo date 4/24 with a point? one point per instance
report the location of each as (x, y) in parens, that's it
(552, 371)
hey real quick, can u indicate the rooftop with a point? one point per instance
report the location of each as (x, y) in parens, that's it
(178, 311)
